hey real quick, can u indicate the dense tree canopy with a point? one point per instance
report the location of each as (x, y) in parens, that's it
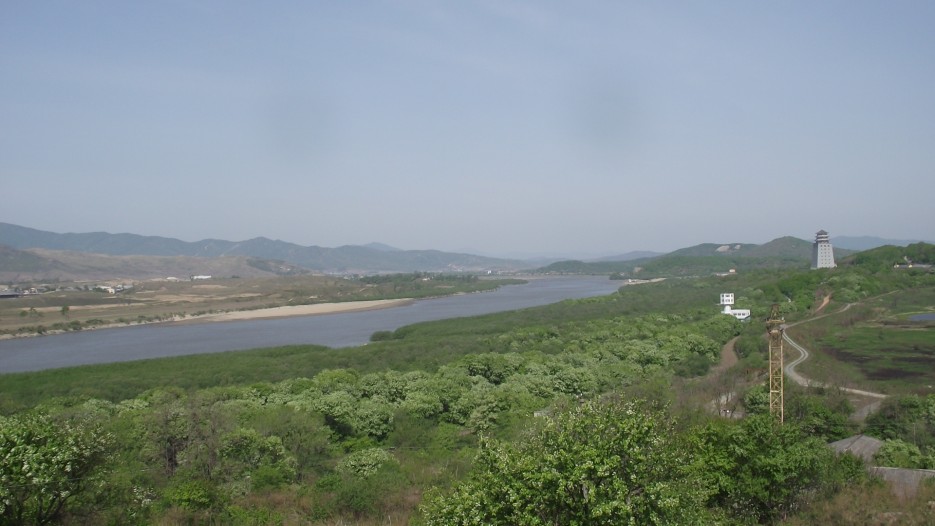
(595, 463)
(45, 464)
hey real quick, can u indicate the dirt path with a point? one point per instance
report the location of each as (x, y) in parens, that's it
(726, 404)
(797, 377)
(866, 402)
(824, 303)
(801, 380)
(809, 320)
(728, 358)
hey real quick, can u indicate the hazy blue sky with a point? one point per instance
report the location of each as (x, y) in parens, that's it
(499, 126)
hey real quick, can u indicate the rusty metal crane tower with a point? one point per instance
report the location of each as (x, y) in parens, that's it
(775, 325)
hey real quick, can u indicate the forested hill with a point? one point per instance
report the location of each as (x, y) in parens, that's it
(350, 258)
(706, 258)
(915, 255)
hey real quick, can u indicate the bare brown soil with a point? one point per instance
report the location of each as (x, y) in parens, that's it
(824, 303)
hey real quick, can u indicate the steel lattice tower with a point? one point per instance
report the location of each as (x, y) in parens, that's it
(774, 328)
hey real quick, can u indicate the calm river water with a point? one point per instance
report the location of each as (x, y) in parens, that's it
(333, 330)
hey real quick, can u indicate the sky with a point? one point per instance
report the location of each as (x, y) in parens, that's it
(497, 127)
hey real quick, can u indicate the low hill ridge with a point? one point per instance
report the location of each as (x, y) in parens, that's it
(41, 264)
(350, 258)
(705, 258)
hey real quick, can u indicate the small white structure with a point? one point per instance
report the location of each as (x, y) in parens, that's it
(727, 301)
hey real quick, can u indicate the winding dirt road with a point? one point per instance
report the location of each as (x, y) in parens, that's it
(801, 380)
(864, 409)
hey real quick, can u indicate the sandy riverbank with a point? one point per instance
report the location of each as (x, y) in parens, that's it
(254, 314)
(302, 310)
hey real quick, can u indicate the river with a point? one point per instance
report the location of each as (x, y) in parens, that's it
(346, 329)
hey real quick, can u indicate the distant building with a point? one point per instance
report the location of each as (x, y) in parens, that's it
(727, 300)
(822, 251)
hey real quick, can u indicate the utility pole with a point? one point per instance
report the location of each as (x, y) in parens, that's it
(775, 325)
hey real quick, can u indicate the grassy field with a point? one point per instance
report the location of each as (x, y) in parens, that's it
(874, 344)
(148, 301)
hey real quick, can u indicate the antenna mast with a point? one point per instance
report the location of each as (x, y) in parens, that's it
(775, 326)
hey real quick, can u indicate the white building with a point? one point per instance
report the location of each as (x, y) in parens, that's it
(822, 251)
(727, 301)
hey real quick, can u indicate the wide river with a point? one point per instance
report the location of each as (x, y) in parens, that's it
(346, 329)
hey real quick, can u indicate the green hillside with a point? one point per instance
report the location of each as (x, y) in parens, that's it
(704, 259)
(891, 256)
(712, 249)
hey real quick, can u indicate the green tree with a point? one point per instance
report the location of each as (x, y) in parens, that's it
(373, 418)
(339, 410)
(45, 465)
(756, 400)
(762, 470)
(597, 463)
(166, 430)
(910, 418)
(900, 454)
(823, 414)
(365, 462)
(245, 452)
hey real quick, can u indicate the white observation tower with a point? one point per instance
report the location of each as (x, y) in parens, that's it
(822, 251)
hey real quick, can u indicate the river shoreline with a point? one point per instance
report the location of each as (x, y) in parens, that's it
(268, 313)
(341, 325)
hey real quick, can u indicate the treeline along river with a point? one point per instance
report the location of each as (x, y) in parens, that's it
(346, 329)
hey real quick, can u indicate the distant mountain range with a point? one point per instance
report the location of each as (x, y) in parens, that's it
(39, 264)
(27, 253)
(372, 258)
